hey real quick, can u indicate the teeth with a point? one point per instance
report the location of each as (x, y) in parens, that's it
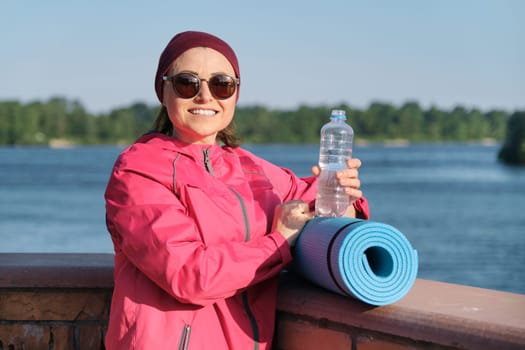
(202, 111)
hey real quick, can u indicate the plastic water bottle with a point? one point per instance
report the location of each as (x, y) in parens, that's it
(336, 147)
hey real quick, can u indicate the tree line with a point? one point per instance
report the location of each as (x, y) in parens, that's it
(38, 123)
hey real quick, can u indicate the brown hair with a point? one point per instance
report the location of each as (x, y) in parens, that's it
(163, 125)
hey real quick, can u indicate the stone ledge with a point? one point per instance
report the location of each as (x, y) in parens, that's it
(432, 312)
(53, 270)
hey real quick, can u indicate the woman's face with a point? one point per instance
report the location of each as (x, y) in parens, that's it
(200, 118)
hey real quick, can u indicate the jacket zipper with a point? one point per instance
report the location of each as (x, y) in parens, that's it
(207, 163)
(251, 317)
(185, 337)
(244, 215)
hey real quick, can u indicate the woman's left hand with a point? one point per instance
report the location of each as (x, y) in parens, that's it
(349, 179)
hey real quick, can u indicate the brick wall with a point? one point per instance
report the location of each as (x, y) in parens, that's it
(47, 318)
(54, 301)
(61, 301)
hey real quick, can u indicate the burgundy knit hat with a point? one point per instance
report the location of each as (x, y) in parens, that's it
(188, 40)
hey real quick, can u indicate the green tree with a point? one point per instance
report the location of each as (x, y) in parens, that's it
(378, 120)
(28, 125)
(477, 125)
(144, 117)
(432, 124)
(497, 121)
(254, 124)
(55, 117)
(79, 125)
(513, 150)
(455, 125)
(410, 121)
(123, 124)
(8, 122)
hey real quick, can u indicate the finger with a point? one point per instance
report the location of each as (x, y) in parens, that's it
(347, 174)
(296, 206)
(302, 208)
(316, 170)
(293, 203)
(353, 193)
(352, 183)
(353, 163)
(302, 217)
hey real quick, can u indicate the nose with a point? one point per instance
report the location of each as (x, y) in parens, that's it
(204, 94)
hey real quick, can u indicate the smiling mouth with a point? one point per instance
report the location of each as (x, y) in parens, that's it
(206, 112)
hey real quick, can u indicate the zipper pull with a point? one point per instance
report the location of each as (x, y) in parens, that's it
(185, 337)
(207, 162)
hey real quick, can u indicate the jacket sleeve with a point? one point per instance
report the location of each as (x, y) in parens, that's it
(149, 226)
(288, 185)
(292, 187)
(361, 208)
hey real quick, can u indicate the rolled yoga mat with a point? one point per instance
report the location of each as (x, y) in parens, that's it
(370, 261)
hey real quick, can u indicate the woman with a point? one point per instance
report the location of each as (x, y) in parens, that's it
(201, 227)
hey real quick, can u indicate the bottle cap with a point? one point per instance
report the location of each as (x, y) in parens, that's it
(338, 114)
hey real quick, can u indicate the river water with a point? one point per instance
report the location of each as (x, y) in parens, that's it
(461, 210)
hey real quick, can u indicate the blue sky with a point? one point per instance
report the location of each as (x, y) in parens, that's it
(104, 53)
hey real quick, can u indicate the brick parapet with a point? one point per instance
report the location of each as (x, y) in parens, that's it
(61, 301)
(433, 315)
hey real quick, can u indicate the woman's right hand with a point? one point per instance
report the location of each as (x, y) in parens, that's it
(289, 219)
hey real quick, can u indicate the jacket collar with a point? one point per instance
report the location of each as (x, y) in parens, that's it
(169, 143)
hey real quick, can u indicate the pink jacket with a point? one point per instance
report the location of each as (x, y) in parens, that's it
(195, 261)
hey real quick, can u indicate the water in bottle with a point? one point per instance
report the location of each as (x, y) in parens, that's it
(335, 148)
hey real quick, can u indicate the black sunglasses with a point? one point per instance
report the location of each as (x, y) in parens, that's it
(188, 85)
